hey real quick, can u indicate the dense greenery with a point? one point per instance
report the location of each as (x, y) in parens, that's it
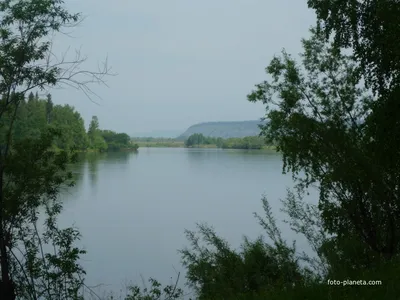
(35, 115)
(38, 259)
(371, 29)
(201, 141)
(248, 142)
(31, 174)
(157, 142)
(197, 139)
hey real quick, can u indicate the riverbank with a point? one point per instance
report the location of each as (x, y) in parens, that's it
(130, 149)
(200, 141)
(182, 145)
(157, 144)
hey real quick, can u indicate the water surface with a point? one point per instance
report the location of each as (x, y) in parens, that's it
(132, 208)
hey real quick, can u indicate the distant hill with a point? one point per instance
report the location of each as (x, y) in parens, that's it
(236, 129)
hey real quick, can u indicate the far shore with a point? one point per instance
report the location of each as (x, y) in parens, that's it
(179, 144)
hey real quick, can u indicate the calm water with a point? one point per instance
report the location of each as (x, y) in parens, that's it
(132, 208)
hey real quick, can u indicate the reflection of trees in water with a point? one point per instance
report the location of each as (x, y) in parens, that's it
(78, 170)
(93, 160)
(201, 153)
(197, 157)
(88, 163)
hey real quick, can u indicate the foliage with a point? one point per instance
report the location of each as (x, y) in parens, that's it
(35, 116)
(72, 127)
(49, 109)
(117, 141)
(216, 271)
(31, 175)
(94, 135)
(156, 142)
(108, 140)
(371, 29)
(156, 291)
(321, 123)
(248, 142)
(198, 139)
(30, 119)
(43, 262)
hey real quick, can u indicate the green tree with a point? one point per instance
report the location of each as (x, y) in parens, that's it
(195, 139)
(49, 108)
(95, 138)
(35, 122)
(117, 141)
(38, 273)
(72, 126)
(31, 97)
(24, 28)
(99, 143)
(93, 127)
(319, 117)
(215, 271)
(371, 29)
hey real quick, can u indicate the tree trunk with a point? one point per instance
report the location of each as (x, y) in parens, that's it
(6, 286)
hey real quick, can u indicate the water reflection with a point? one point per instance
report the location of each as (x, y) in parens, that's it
(232, 159)
(78, 171)
(93, 160)
(87, 168)
(143, 202)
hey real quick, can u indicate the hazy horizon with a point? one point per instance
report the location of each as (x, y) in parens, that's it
(179, 63)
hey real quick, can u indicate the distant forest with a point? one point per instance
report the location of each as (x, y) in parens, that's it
(35, 115)
(198, 140)
(248, 142)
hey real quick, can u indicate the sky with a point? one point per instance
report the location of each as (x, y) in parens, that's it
(178, 62)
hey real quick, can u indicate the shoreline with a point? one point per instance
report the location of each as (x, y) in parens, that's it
(160, 145)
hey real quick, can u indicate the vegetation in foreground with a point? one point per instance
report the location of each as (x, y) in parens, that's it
(335, 117)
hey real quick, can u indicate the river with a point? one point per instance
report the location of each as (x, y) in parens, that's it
(132, 208)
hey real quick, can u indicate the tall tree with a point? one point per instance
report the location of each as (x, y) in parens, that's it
(24, 45)
(319, 115)
(371, 29)
(49, 108)
(96, 139)
(93, 126)
(31, 97)
(72, 127)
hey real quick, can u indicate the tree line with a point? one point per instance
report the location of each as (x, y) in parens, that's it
(248, 142)
(35, 115)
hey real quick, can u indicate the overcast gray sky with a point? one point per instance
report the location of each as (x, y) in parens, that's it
(180, 62)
